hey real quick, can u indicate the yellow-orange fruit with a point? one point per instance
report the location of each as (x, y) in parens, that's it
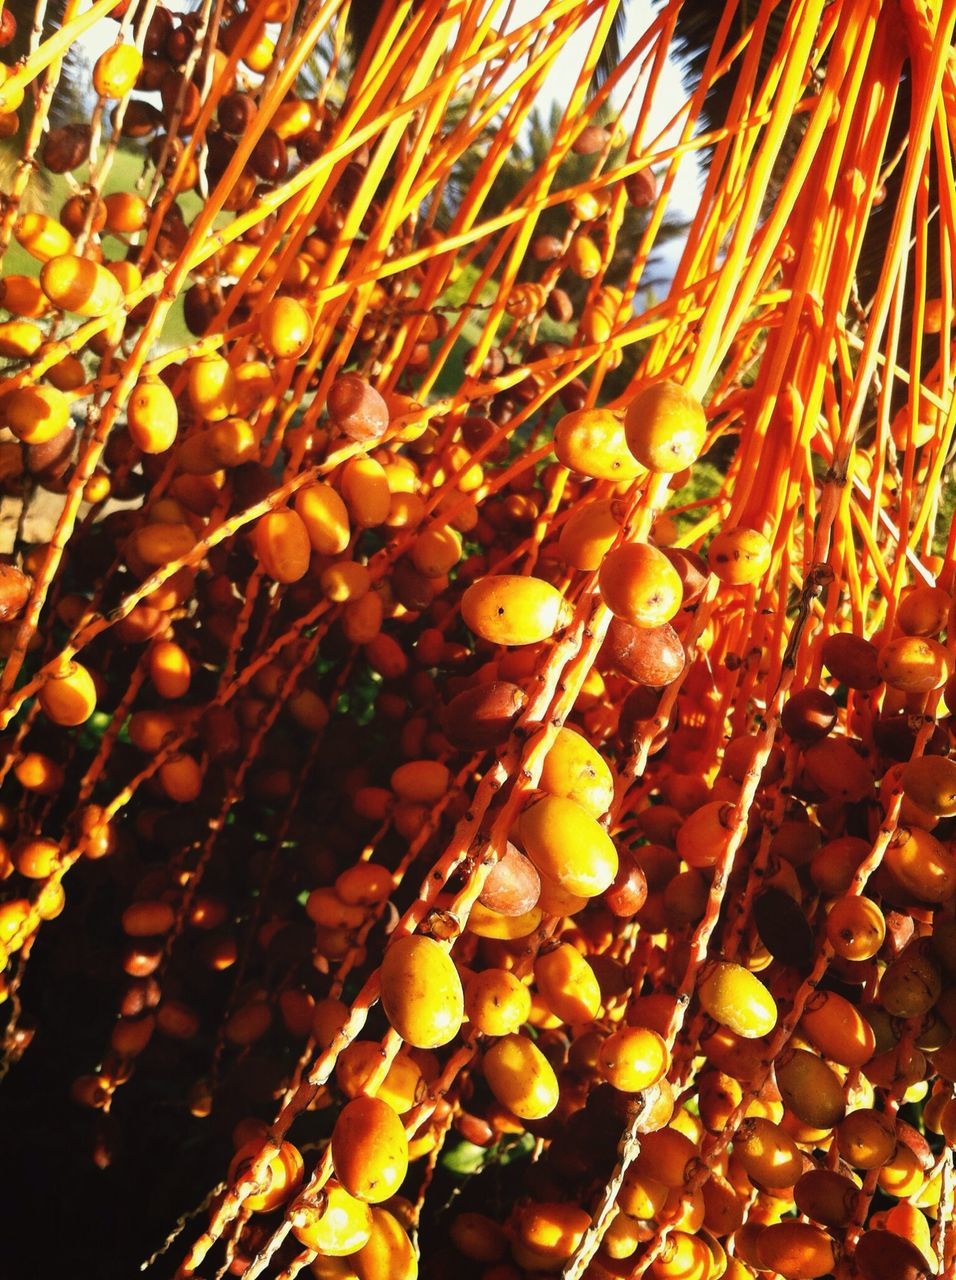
(797, 1250)
(591, 441)
(739, 556)
(282, 545)
(640, 585)
(923, 865)
(520, 1077)
(42, 237)
(169, 669)
(69, 697)
(36, 414)
(838, 1029)
(152, 415)
(856, 928)
(641, 1196)
(436, 551)
(568, 846)
(665, 1155)
(339, 1229)
(511, 609)
(633, 1059)
(683, 1257)
(478, 1237)
(36, 859)
(551, 1230)
(584, 257)
(211, 387)
(388, 1254)
(421, 781)
(737, 999)
(587, 536)
(20, 338)
(181, 778)
(914, 664)
(767, 1153)
(576, 770)
(496, 1003)
(116, 70)
(369, 1150)
(665, 427)
(923, 611)
(930, 783)
(364, 486)
(487, 923)
(567, 984)
(280, 1177)
(325, 516)
(403, 1085)
(126, 212)
(80, 285)
(421, 992)
(866, 1138)
(285, 328)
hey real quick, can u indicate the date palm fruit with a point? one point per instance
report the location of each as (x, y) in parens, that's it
(421, 992)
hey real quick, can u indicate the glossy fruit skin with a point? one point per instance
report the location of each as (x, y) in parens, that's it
(588, 534)
(633, 1059)
(930, 782)
(69, 697)
(652, 656)
(734, 997)
(567, 984)
(340, 1229)
(36, 414)
(152, 415)
(915, 664)
(739, 556)
(838, 1030)
(513, 885)
(520, 1077)
(768, 1154)
(640, 585)
(81, 286)
(496, 1003)
(285, 328)
(282, 545)
(116, 70)
(923, 865)
(568, 845)
(509, 609)
(826, 1196)
(482, 717)
(574, 769)
(591, 442)
(811, 1089)
(282, 1175)
(388, 1255)
(856, 928)
(797, 1250)
(357, 409)
(666, 427)
(421, 992)
(852, 659)
(369, 1150)
(885, 1255)
(809, 715)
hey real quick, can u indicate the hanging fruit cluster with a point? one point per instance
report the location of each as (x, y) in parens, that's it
(478, 768)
